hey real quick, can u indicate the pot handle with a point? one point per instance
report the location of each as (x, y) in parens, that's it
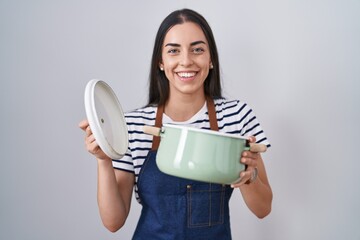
(257, 147)
(155, 131)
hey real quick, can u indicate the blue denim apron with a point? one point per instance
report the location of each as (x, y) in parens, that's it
(177, 208)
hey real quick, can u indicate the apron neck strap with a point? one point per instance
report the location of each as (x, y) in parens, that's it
(160, 111)
(212, 114)
(158, 124)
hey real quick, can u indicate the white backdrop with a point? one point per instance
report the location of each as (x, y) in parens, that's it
(295, 62)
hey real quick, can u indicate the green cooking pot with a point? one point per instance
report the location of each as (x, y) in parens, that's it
(199, 154)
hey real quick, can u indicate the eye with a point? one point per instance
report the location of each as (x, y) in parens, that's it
(198, 50)
(173, 51)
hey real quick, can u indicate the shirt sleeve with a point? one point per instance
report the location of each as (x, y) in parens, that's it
(251, 126)
(125, 163)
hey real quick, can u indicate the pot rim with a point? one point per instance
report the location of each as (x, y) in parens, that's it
(205, 131)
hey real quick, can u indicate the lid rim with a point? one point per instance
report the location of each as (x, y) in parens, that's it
(92, 115)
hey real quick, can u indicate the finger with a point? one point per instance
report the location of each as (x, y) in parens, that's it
(250, 158)
(84, 124)
(252, 139)
(93, 147)
(88, 131)
(89, 139)
(249, 162)
(250, 154)
(246, 161)
(244, 177)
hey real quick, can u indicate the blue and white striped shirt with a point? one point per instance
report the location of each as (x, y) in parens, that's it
(233, 116)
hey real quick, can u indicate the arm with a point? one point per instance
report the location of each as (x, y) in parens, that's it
(257, 195)
(114, 195)
(114, 186)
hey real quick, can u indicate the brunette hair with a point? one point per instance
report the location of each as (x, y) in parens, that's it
(159, 85)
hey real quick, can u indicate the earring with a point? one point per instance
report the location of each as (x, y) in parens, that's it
(161, 68)
(211, 66)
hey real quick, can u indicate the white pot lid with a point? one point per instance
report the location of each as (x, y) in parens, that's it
(106, 118)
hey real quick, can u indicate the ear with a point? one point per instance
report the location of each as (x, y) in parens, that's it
(161, 66)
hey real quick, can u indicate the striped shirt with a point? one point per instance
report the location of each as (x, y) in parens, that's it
(233, 116)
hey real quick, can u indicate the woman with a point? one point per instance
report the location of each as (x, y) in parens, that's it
(185, 90)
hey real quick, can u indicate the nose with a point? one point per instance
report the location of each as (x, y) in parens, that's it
(186, 59)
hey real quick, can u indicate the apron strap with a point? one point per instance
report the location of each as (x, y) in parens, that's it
(212, 114)
(158, 124)
(212, 119)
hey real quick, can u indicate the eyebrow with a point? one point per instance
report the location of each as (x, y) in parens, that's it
(178, 45)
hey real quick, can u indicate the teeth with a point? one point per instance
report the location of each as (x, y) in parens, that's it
(186, 74)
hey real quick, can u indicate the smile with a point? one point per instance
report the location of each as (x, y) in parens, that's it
(186, 74)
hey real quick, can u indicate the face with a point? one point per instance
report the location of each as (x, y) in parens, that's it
(186, 59)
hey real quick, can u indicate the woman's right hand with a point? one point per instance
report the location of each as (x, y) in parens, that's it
(91, 145)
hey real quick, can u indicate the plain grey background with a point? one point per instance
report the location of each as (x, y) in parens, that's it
(295, 62)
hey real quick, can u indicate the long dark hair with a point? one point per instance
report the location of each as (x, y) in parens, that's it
(159, 85)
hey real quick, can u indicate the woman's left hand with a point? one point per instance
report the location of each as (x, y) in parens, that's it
(250, 159)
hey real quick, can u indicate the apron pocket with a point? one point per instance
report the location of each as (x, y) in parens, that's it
(205, 204)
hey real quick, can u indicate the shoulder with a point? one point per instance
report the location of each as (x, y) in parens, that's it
(233, 115)
(237, 117)
(231, 106)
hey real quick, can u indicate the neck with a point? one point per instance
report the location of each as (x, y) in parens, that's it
(182, 108)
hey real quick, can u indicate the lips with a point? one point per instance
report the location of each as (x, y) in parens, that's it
(186, 76)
